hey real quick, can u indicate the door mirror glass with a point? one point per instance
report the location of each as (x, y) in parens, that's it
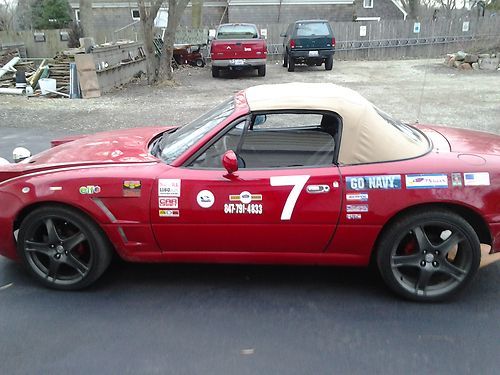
(230, 161)
(282, 35)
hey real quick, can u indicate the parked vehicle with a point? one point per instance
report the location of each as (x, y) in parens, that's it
(298, 173)
(238, 46)
(189, 54)
(308, 42)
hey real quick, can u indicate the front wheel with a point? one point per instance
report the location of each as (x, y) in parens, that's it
(428, 256)
(62, 248)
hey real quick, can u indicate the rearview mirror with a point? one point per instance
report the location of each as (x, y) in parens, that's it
(282, 35)
(230, 161)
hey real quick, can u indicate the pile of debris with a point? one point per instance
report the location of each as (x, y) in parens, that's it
(470, 61)
(48, 77)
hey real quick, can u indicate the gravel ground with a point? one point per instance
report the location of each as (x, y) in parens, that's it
(413, 90)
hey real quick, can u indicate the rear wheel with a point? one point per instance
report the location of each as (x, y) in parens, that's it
(261, 70)
(215, 72)
(199, 63)
(62, 248)
(329, 63)
(428, 256)
(285, 60)
(291, 64)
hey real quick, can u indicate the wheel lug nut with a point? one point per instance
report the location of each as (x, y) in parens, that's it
(435, 264)
(65, 252)
(58, 256)
(422, 263)
(436, 252)
(425, 251)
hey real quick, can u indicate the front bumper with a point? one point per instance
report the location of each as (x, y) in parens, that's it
(238, 63)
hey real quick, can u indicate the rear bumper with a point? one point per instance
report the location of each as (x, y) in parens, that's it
(238, 63)
(305, 55)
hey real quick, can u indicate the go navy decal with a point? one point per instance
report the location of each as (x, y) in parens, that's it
(374, 182)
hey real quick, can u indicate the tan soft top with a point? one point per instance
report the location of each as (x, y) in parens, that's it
(366, 136)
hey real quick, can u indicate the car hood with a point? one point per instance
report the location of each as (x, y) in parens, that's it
(470, 141)
(120, 146)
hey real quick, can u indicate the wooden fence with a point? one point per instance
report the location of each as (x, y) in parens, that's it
(399, 39)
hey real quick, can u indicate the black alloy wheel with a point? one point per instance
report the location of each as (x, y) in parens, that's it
(428, 256)
(62, 248)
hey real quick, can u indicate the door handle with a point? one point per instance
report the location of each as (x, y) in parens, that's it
(317, 189)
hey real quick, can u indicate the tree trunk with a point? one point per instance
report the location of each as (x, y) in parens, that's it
(147, 23)
(196, 13)
(87, 18)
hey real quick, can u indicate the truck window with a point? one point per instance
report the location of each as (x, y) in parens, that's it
(237, 32)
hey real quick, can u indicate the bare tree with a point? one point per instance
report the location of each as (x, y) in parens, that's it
(411, 7)
(87, 18)
(7, 15)
(448, 6)
(160, 69)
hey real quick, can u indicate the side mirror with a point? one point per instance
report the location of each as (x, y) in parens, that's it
(20, 153)
(230, 161)
(283, 35)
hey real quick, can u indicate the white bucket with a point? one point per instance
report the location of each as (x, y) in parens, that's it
(47, 85)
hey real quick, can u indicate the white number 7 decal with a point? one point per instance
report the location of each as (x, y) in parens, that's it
(298, 183)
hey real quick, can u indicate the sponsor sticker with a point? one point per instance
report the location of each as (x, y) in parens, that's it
(132, 188)
(169, 187)
(477, 179)
(90, 189)
(360, 197)
(354, 216)
(427, 181)
(357, 208)
(55, 188)
(374, 182)
(165, 202)
(168, 213)
(205, 199)
(245, 197)
(456, 179)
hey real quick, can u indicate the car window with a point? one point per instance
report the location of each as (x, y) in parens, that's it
(237, 32)
(284, 140)
(312, 29)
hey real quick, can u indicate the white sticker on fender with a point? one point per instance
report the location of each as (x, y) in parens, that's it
(169, 187)
(477, 179)
(165, 202)
(205, 199)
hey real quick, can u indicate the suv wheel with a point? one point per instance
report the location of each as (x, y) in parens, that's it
(329, 63)
(291, 64)
(285, 60)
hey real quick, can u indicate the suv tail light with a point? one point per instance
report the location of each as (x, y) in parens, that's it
(333, 42)
(292, 43)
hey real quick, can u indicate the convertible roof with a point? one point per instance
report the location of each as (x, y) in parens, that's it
(366, 136)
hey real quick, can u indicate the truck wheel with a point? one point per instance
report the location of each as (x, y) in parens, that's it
(329, 63)
(428, 255)
(291, 64)
(261, 70)
(285, 60)
(215, 72)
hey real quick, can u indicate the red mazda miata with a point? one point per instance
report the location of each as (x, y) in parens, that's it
(279, 174)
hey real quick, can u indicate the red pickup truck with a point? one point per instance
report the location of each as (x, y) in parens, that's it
(238, 46)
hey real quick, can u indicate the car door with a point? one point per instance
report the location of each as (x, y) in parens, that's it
(285, 197)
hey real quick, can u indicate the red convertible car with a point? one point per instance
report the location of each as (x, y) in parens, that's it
(279, 174)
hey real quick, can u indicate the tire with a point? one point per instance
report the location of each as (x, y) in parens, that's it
(329, 63)
(428, 256)
(62, 248)
(215, 72)
(199, 63)
(291, 64)
(261, 71)
(285, 60)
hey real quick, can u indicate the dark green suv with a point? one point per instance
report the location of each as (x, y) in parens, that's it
(308, 42)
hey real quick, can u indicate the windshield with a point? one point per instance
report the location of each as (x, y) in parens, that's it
(174, 144)
(237, 32)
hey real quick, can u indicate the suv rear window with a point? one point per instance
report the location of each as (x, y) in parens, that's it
(312, 29)
(237, 32)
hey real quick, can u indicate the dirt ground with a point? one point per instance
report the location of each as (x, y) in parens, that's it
(413, 90)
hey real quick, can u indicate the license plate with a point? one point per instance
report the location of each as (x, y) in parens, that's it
(237, 62)
(313, 53)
